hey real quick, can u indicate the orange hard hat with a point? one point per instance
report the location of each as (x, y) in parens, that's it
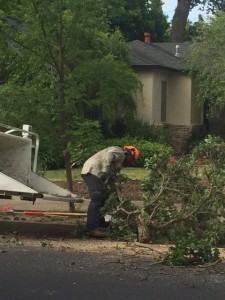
(134, 151)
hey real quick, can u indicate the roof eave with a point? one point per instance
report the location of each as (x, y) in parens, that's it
(158, 67)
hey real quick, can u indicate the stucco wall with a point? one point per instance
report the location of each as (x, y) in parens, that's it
(145, 99)
(181, 107)
(179, 98)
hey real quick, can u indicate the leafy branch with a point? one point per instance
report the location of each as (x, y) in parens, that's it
(154, 225)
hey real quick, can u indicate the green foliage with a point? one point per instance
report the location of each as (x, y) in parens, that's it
(210, 5)
(146, 149)
(9, 25)
(145, 131)
(196, 139)
(122, 226)
(158, 24)
(210, 148)
(192, 250)
(135, 17)
(209, 46)
(49, 156)
(193, 29)
(86, 139)
(69, 69)
(151, 149)
(86, 145)
(187, 195)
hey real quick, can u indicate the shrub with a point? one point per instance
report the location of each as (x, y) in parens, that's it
(86, 141)
(145, 131)
(146, 149)
(89, 146)
(140, 129)
(149, 149)
(211, 148)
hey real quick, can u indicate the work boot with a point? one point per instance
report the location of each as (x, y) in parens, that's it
(96, 233)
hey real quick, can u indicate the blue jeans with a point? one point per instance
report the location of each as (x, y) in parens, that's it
(98, 195)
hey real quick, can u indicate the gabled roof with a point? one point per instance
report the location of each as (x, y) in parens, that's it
(157, 55)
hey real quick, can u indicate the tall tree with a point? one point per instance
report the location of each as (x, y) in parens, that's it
(158, 24)
(68, 68)
(182, 11)
(180, 20)
(206, 62)
(135, 17)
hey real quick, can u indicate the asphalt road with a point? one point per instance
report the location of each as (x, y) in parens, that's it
(39, 274)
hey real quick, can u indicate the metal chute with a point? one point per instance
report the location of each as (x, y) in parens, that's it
(18, 166)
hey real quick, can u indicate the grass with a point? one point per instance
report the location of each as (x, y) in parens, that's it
(132, 173)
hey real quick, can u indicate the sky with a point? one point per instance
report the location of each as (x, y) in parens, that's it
(169, 8)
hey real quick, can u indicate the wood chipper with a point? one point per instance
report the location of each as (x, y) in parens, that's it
(18, 166)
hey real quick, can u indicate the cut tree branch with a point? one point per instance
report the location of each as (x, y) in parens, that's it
(154, 225)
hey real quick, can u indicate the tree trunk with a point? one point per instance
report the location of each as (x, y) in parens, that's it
(144, 231)
(63, 115)
(69, 179)
(180, 20)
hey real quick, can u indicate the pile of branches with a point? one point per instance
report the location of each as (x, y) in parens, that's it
(182, 197)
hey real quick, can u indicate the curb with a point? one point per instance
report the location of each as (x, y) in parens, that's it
(36, 228)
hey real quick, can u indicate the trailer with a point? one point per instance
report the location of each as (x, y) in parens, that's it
(18, 168)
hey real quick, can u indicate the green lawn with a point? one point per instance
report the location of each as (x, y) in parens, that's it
(132, 173)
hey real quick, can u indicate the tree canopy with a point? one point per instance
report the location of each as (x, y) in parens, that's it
(67, 69)
(133, 18)
(182, 11)
(71, 40)
(211, 5)
(206, 62)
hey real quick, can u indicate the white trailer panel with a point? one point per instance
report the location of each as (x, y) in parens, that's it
(15, 157)
(12, 186)
(18, 172)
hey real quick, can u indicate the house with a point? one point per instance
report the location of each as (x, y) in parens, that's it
(168, 95)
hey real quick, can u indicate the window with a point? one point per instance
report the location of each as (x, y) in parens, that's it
(163, 100)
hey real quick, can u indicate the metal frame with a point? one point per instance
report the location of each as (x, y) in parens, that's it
(30, 133)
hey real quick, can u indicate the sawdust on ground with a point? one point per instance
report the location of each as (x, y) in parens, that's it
(153, 251)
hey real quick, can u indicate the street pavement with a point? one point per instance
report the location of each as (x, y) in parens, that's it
(39, 274)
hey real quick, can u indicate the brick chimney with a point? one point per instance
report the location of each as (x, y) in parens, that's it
(147, 38)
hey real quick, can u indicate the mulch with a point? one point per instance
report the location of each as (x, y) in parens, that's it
(130, 189)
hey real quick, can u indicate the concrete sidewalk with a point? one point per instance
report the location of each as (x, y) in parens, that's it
(42, 205)
(43, 224)
(48, 205)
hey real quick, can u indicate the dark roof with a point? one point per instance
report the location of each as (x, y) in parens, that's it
(157, 55)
